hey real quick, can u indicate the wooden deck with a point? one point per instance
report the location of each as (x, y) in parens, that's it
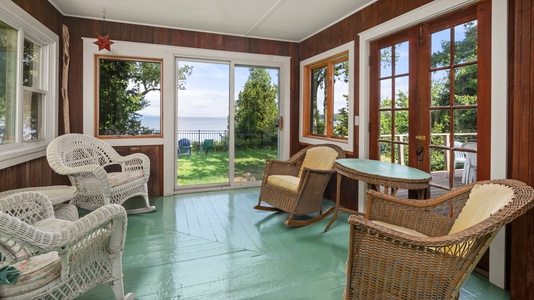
(215, 246)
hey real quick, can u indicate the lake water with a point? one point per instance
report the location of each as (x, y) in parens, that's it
(189, 123)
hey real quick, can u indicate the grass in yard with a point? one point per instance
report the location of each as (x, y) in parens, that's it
(204, 169)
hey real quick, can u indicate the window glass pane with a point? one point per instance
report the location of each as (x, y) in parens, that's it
(441, 53)
(401, 154)
(465, 42)
(385, 93)
(401, 58)
(129, 97)
(439, 127)
(440, 88)
(31, 64)
(8, 81)
(32, 116)
(385, 125)
(465, 125)
(385, 61)
(385, 151)
(318, 103)
(401, 92)
(401, 125)
(465, 85)
(341, 99)
(438, 157)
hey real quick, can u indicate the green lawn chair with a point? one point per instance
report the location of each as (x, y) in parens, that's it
(207, 146)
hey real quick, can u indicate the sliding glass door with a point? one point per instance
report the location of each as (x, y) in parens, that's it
(227, 122)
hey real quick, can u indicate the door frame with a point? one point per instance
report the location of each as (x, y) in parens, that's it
(499, 85)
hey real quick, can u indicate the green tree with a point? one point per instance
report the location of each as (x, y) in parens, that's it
(256, 107)
(465, 83)
(123, 89)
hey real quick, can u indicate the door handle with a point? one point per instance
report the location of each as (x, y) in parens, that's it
(420, 153)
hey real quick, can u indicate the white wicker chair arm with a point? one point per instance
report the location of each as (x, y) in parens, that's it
(59, 240)
(29, 207)
(135, 161)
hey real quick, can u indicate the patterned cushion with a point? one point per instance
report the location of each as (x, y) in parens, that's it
(118, 178)
(284, 181)
(35, 272)
(319, 158)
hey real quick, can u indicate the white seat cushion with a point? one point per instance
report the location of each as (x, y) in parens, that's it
(118, 178)
(285, 181)
(51, 224)
(35, 272)
(319, 158)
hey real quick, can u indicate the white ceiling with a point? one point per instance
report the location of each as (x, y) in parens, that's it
(285, 20)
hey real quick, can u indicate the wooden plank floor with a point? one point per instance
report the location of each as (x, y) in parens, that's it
(215, 246)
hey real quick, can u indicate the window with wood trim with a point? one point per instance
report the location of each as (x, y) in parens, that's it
(326, 97)
(129, 97)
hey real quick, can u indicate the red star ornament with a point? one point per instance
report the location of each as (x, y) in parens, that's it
(103, 42)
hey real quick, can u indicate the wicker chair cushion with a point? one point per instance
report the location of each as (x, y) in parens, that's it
(484, 200)
(400, 229)
(285, 181)
(118, 178)
(51, 224)
(48, 225)
(35, 272)
(319, 158)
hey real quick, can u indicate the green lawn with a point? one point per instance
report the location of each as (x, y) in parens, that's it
(205, 169)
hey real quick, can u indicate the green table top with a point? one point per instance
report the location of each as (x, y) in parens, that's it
(386, 169)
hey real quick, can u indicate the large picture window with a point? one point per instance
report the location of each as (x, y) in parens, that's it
(28, 86)
(129, 97)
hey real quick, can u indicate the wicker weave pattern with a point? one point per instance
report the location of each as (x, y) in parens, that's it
(85, 159)
(386, 264)
(309, 197)
(90, 249)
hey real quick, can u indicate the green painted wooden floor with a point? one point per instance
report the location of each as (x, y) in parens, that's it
(215, 246)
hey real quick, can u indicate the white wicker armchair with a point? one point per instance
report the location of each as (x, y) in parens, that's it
(60, 259)
(86, 161)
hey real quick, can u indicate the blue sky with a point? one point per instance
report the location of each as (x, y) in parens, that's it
(207, 89)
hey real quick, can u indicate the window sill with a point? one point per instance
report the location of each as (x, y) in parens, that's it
(17, 154)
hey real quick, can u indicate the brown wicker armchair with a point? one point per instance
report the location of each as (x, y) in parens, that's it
(426, 249)
(297, 185)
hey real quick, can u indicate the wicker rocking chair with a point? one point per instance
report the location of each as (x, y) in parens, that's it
(86, 161)
(297, 185)
(426, 249)
(50, 258)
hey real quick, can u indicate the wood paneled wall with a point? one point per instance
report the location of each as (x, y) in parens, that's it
(521, 141)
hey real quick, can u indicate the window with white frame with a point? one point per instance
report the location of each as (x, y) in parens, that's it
(326, 97)
(28, 71)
